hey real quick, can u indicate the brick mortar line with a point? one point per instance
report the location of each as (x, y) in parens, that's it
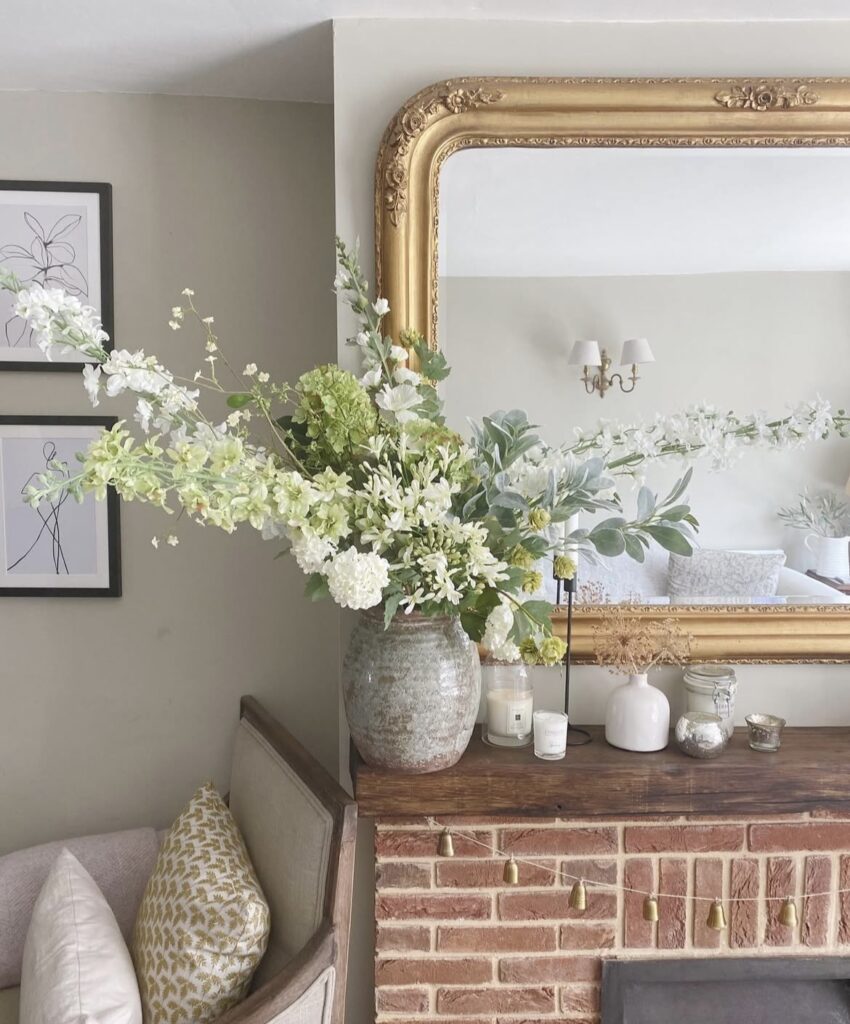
(485, 824)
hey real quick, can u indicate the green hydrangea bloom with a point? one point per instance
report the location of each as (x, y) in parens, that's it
(552, 650)
(521, 558)
(565, 567)
(532, 582)
(539, 518)
(336, 411)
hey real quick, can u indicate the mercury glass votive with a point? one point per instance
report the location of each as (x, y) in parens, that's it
(701, 734)
(765, 732)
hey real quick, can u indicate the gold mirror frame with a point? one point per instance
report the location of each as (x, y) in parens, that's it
(466, 113)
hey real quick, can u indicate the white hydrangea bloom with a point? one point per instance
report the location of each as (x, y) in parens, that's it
(357, 580)
(310, 551)
(499, 624)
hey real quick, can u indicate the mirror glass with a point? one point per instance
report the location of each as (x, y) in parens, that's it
(734, 265)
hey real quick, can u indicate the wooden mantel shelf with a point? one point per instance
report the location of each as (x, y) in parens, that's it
(812, 770)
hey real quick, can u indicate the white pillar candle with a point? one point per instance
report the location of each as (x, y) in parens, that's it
(550, 735)
(570, 526)
(509, 714)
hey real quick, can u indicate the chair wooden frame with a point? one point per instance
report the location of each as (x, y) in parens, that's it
(329, 946)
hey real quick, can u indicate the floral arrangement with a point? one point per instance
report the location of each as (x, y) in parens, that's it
(627, 644)
(360, 479)
(824, 514)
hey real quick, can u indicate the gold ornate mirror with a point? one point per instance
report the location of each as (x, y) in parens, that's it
(702, 223)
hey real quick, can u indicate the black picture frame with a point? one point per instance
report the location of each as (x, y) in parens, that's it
(107, 298)
(113, 516)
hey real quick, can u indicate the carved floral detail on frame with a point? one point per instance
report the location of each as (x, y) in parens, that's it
(762, 96)
(410, 123)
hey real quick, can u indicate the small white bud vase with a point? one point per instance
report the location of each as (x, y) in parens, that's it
(637, 716)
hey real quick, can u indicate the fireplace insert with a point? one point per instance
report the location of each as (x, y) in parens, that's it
(727, 990)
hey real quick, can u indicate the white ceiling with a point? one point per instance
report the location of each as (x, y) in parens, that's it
(578, 212)
(274, 49)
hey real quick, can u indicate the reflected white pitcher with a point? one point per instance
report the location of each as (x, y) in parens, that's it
(831, 555)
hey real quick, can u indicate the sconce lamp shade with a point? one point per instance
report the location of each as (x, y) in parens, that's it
(636, 350)
(586, 353)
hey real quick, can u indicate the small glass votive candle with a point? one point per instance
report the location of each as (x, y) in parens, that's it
(510, 700)
(765, 732)
(550, 735)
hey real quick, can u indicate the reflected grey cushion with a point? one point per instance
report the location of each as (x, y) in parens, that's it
(119, 862)
(708, 573)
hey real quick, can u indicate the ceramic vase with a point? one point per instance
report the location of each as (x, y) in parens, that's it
(832, 555)
(411, 691)
(637, 716)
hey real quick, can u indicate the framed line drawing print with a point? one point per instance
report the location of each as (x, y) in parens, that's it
(57, 235)
(63, 548)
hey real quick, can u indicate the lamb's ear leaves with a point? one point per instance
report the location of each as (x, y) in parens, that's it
(634, 548)
(670, 539)
(608, 542)
(645, 504)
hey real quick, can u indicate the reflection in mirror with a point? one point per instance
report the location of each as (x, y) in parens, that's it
(726, 276)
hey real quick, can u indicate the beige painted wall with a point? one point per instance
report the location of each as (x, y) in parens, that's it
(112, 711)
(379, 63)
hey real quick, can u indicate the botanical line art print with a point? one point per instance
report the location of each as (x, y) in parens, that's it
(65, 547)
(50, 259)
(47, 530)
(53, 256)
(56, 237)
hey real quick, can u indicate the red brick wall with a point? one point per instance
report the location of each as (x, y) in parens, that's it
(455, 945)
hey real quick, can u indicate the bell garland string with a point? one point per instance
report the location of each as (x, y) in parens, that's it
(716, 920)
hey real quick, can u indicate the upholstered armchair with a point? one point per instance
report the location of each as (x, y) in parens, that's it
(299, 827)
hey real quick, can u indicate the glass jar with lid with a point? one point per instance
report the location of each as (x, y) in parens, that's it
(712, 689)
(509, 702)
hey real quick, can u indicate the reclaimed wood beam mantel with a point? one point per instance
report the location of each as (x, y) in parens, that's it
(812, 770)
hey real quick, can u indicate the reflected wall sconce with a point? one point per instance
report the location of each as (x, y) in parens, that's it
(590, 356)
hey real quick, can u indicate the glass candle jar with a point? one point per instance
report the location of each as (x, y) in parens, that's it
(550, 735)
(712, 689)
(510, 701)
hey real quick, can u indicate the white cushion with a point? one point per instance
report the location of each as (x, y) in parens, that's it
(77, 969)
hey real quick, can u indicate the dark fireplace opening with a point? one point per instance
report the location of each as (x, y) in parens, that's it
(721, 990)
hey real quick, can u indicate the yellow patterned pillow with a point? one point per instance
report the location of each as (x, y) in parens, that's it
(203, 924)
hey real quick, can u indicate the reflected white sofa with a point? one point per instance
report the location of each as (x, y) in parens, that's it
(299, 827)
(624, 579)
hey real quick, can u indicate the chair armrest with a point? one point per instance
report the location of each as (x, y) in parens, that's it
(120, 863)
(300, 993)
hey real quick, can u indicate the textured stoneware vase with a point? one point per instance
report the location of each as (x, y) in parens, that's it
(637, 716)
(411, 691)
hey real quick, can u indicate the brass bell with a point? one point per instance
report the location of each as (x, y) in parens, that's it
(578, 896)
(788, 913)
(650, 909)
(446, 847)
(716, 917)
(510, 875)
